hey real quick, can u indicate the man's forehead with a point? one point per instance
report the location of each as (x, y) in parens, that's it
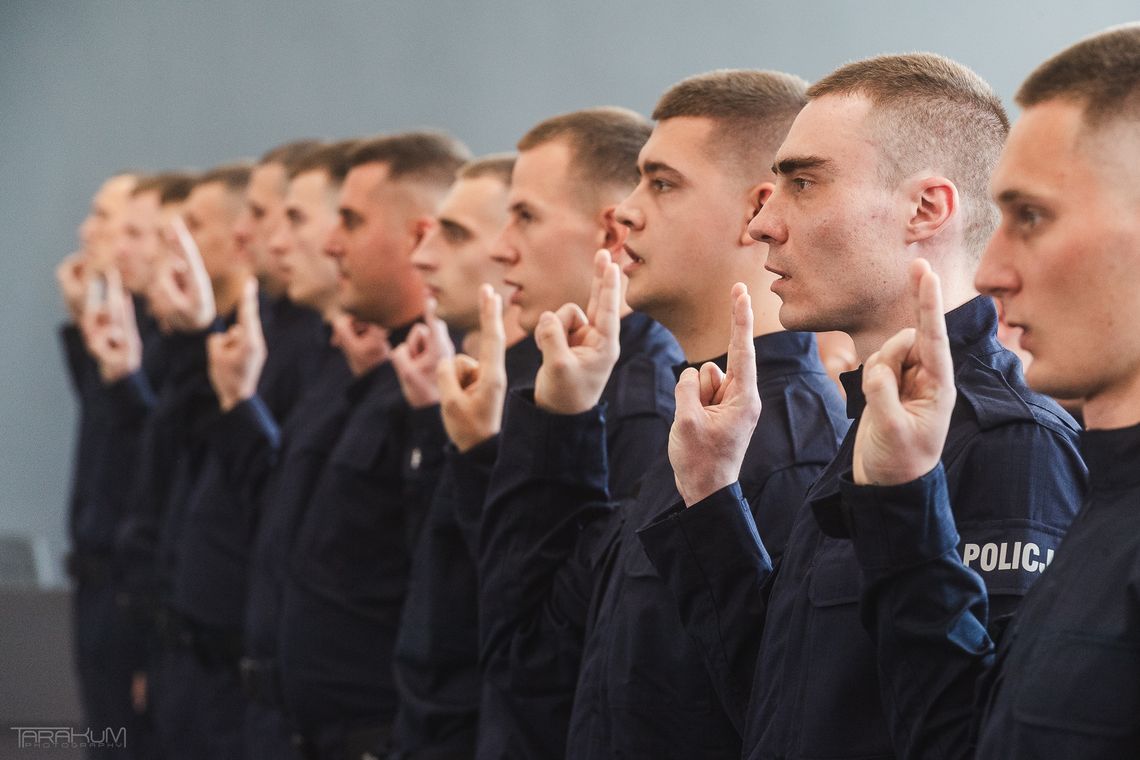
(677, 141)
(827, 125)
(306, 187)
(266, 184)
(478, 195)
(1040, 152)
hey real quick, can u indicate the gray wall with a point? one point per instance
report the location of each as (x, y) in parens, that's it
(91, 86)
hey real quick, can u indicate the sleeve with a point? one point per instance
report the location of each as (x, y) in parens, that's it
(1014, 490)
(715, 564)
(468, 478)
(79, 362)
(247, 440)
(547, 503)
(925, 611)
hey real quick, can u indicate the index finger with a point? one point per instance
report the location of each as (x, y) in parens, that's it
(741, 348)
(601, 258)
(438, 330)
(492, 336)
(932, 340)
(607, 315)
(249, 311)
(190, 253)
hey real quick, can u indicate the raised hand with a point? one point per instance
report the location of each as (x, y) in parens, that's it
(579, 349)
(71, 277)
(180, 293)
(472, 392)
(909, 386)
(364, 345)
(111, 333)
(416, 360)
(716, 413)
(238, 355)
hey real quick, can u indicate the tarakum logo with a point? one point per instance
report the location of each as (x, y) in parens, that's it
(67, 737)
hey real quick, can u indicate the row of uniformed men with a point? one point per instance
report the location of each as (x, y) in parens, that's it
(526, 550)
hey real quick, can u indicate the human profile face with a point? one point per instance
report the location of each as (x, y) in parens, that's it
(137, 242)
(455, 256)
(372, 242)
(836, 232)
(1065, 260)
(550, 238)
(105, 216)
(299, 243)
(261, 216)
(209, 212)
(687, 220)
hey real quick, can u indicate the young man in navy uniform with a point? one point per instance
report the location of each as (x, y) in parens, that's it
(1062, 679)
(351, 548)
(565, 581)
(888, 162)
(436, 662)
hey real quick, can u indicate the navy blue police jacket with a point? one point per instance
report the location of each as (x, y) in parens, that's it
(176, 420)
(1065, 678)
(642, 688)
(280, 468)
(348, 564)
(107, 440)
(529, 663)
(798, 671)
(219, 516)
(436, 661)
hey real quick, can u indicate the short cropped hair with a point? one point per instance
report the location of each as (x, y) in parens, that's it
(172, 187)
(428, 157)
(932, 113)
(752, 111)
(332, 159)
(604, 144)
(496, 166)
(289, 153)
(234, 176)
(1100, 73)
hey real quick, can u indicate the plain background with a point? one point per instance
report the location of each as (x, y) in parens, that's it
(89, 87)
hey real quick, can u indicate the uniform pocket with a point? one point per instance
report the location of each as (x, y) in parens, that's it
(1082, 684)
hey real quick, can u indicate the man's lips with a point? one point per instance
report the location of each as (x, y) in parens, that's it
(633, 261)
(515, 290)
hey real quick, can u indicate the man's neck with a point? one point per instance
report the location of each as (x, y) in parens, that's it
(871, 337)
(1115, 407)
(703, 326)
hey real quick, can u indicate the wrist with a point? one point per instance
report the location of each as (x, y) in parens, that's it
(695, 491)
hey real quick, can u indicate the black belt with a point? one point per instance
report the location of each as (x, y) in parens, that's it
(261, 681)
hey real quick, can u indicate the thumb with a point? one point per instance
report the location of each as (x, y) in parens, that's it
(447, 379)
(550, 335)
(881, 389)
(688, 393)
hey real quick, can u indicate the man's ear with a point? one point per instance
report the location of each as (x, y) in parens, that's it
(757, 197)
(613, 231)
(933, 203)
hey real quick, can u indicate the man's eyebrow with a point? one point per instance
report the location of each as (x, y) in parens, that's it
(659, 167)
(453, 228)
(799, 163)
(1013, 195)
